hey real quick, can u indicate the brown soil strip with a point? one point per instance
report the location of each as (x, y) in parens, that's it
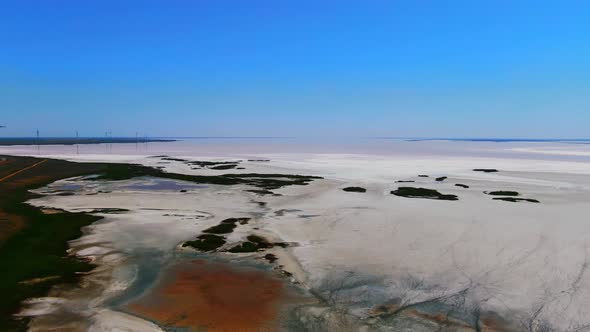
(22, 170)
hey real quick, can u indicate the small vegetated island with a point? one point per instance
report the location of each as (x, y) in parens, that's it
(510, 196)
(485, 170)
(213, 238)
(355, 189)
(516, 199)
(198, 164)
(253, 244)
(206, 242)
(214, 165)
(502, 193)
(226, 226)
(411, 192)
(259, 180)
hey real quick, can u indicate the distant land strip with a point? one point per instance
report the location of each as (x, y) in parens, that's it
(74, 140)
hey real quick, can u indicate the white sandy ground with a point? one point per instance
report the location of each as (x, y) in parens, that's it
(523, 261)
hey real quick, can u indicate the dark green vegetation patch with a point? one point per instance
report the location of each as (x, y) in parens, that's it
(226, 226)
(223, 228)
(241, 221)
(411, 192)
(516, 199)
(206, 242)
(109, 211)
(224, 167)
(355, 189)
(216, 165)
(254, 243)
(212, 164)
(174, 159)
(461, 185)
(259, 241)
(33, 245)
(265, 181)
(244, 247)
(442, 178)
(271, 258)
(271, 181)
(210, 242)
(502, 193)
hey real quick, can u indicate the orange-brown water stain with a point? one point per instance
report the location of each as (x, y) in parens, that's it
(212, 296)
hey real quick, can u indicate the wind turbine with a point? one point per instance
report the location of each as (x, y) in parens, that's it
(38, 143)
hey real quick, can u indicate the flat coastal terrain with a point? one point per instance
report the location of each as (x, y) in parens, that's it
(80, 140)
(403, 236)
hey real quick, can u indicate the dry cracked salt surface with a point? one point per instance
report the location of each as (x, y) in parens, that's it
(358, 261)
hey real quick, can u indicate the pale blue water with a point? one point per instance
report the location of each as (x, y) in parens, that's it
(149, 183)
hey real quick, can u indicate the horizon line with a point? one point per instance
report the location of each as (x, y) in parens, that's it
(311, 137)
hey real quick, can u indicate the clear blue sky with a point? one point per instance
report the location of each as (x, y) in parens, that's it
(295, 68)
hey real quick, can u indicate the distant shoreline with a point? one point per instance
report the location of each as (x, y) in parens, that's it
(493, 140)
(4, 141)
(72, 141)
